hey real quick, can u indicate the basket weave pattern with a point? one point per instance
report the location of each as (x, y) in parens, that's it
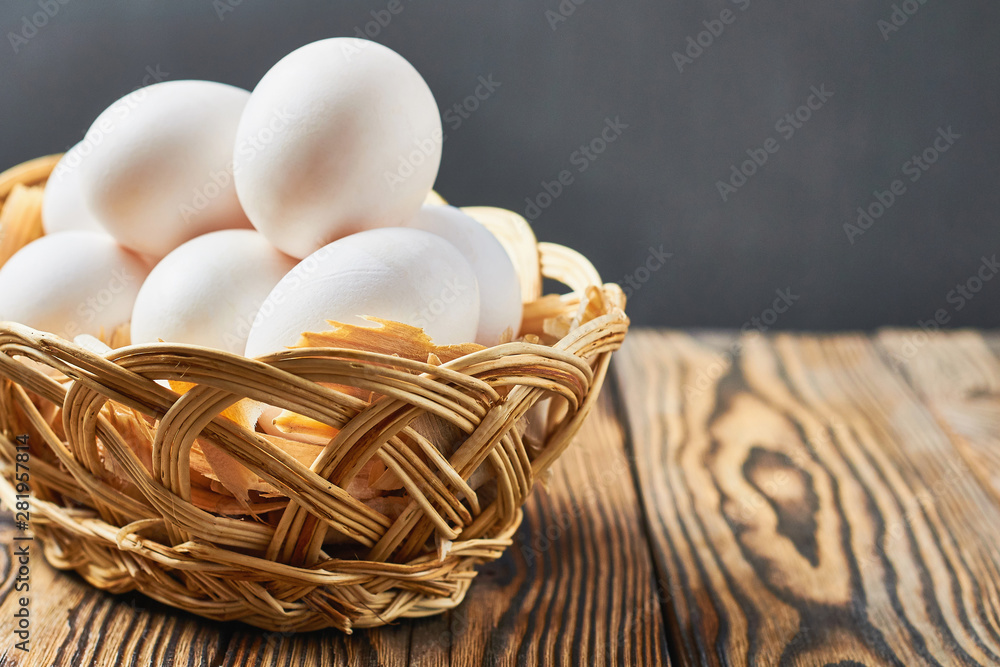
(139, 529)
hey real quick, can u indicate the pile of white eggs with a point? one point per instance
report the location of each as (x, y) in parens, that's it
(201, 213)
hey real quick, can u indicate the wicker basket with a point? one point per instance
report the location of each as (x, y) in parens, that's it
(140, 528)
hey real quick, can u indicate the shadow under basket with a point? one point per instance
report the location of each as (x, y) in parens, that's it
(309, 555)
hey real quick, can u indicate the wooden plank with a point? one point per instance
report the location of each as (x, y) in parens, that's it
(958, 376)
(577, 587)
(385, 647)
(74, 624)
(806, 507)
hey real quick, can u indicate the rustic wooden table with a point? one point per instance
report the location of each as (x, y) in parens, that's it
(800, 500)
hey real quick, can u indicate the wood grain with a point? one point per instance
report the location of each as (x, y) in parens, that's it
(576, 588)
(806, 506)
(803, 500)
(958, 376)
(74, 624)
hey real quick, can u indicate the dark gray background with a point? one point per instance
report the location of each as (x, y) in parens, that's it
(656, 185)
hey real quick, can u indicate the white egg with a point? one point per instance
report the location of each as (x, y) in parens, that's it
(70, 284)
(340, 136)
(208, 291)
(499, 285)
(160, 169)
(63, 205)
(402, 275)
